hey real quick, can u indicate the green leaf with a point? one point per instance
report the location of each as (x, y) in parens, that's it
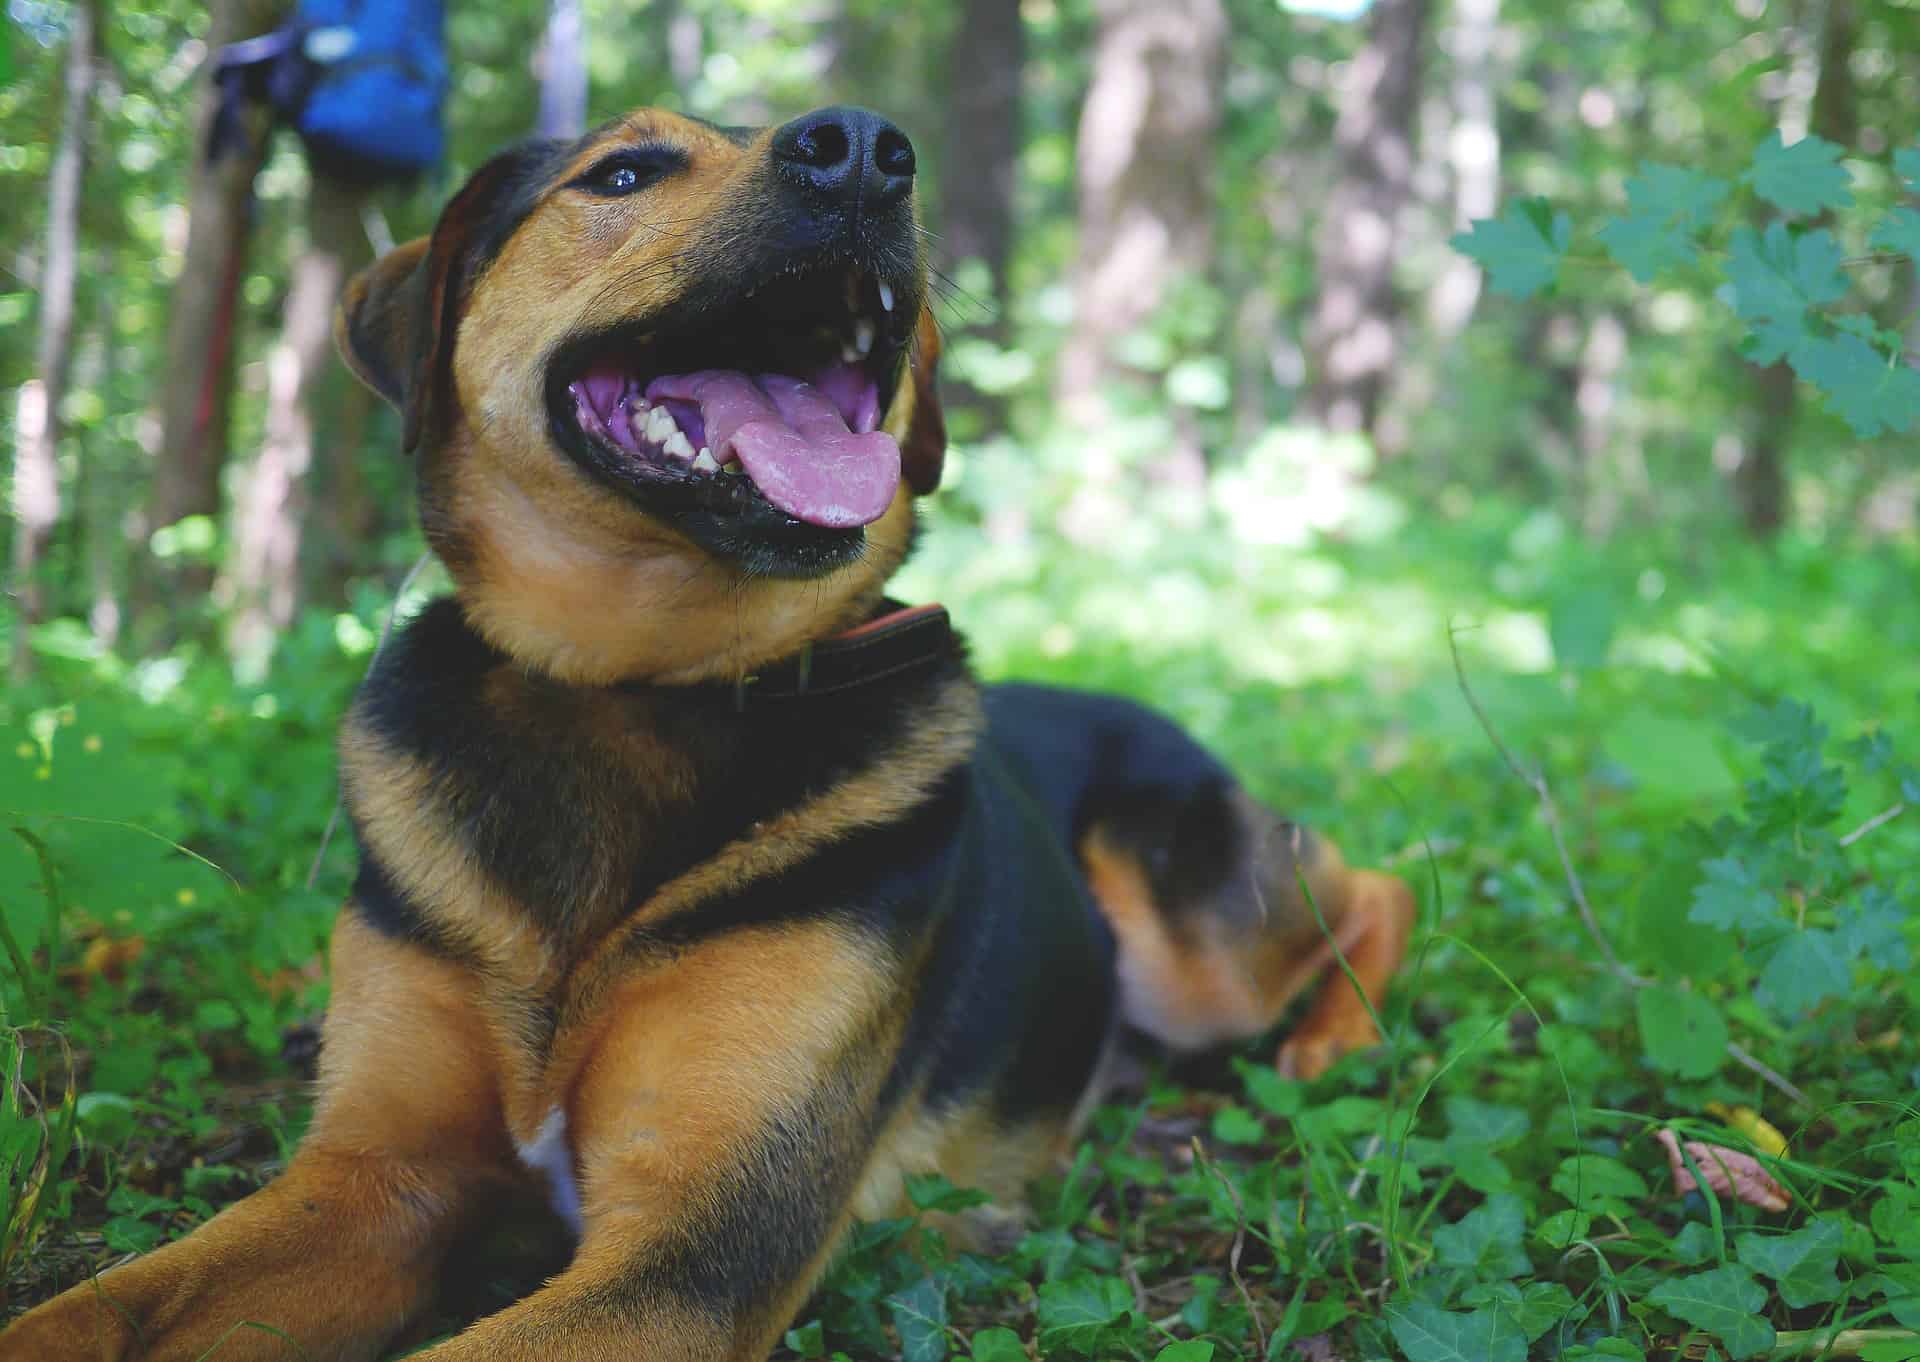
(1193, 1350)
(1899, 231)
(1075, 1313)
(932, 1192)
(1534, 1307)
(1682, 1033)
(920, 1315)
(1906, 163)
(1806, 177)
(1868, 390)
(1606, 1348)
(1779, 274)
(1486, 1240)
(1236, 1125)
(1581, 626)
(809, 1340)
(1426, 1333)
(1477, 1122)
(1672, 759)
(1873, 928)
(1521, 249)
(1801, 1264)
(1725, 1302)
(1810, 965)
(1584, 1179)
(1273, 1094)
(997, 1345)
(1668, 205)
(1729, 897)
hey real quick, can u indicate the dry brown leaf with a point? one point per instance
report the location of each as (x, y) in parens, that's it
(1728, 1172)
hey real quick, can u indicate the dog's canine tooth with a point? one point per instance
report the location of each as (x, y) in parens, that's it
(660, 425)
(863, 337)
(703, 463)
(678, 445)
(886, 296)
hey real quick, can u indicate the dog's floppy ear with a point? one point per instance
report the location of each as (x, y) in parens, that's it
(397, 318)
(923, 448)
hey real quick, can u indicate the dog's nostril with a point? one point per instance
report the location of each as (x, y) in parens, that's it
(892, 152)
(823, 145)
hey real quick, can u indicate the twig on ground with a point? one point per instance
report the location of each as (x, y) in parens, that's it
(1239, 1242)
(1836, 1342)
(1550, 811)
(1538, 784)
(1883, 817)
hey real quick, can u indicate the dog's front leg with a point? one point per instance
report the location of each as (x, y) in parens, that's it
(330, 1261)
(723, 1113)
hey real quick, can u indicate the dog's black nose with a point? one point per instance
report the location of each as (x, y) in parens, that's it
(846, 154)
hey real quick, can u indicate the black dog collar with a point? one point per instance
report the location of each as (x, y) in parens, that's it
(898, 639)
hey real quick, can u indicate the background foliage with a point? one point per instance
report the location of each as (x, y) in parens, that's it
(1678, 585)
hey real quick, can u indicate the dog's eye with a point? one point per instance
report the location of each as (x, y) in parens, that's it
(629, 171)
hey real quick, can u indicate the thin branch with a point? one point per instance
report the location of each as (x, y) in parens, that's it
(1739, 1054)
(1551, 812)
(1885, 816)
(1239, 1243)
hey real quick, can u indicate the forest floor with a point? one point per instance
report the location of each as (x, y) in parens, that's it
(1725, 747)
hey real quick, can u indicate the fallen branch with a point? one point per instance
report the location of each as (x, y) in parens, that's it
(1883, 817)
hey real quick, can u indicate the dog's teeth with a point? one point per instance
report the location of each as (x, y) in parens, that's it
(863, 337)
(886, 296)
(703, 462)
(678, 445)
(660, 425)
(736, 468)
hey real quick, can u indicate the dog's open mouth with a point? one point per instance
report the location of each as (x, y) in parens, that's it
(767, 408)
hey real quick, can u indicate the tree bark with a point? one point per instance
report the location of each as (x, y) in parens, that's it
(979, 169)
(1145, 159)
(1473, 155)
(204, 312)
(1352, 339)
(563, 72)
(1760, 480)
(263, 579)
(36, 472)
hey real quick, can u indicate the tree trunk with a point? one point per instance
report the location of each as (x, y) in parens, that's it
(263, 579)
(203, 317)
(978, 170)
(36, 473)
(1473, 154)
(1760, 480)
(563, 72)
(1352, 340)
(1145, 158)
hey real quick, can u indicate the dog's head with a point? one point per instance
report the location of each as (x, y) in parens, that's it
(671, 387)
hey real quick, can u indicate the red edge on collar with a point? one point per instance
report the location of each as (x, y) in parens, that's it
(892, 619)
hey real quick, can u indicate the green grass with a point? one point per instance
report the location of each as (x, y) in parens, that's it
(1717, 730)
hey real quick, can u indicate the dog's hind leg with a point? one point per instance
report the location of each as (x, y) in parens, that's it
(330, 1261)
(1213, 908)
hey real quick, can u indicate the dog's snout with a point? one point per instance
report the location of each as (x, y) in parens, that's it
(846, 156)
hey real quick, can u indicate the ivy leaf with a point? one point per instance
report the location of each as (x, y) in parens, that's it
(1603, 1348)
(997, 1345)
(1521, 249)
(1586, 1179)
(1475, 1122)
(1803, 178)
(1075, 1313)
(1731, 898)
(1682, 1033)
(1667, 204)
(1534, 1308)
(1426, 1333)
(1906, 163)
(1870, 392)
(1193, 1350)
(1780, 274)
(1725, 1302)
(1809, 966)
(1486, 1240)
(932, 1192)
(920, 1316)
(1236, 1125)
(1899, 231)
(1801, 1264)
(809, 1340)
(1873, 928)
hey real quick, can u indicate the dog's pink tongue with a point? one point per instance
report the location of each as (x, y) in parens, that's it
(793, 442)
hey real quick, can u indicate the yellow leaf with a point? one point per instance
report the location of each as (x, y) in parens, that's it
(1753, 1125)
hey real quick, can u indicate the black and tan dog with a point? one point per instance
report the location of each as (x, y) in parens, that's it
(698, 879)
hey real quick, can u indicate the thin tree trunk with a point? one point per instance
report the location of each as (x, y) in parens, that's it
(978, 172)
(204, 310)
(1145, 157)
(1352, 340)
(1760, 480)
(263, 581)
(563, 72)
(1473, 154)
(36, 473)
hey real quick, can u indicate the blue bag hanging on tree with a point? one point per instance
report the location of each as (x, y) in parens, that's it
(361, 81)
